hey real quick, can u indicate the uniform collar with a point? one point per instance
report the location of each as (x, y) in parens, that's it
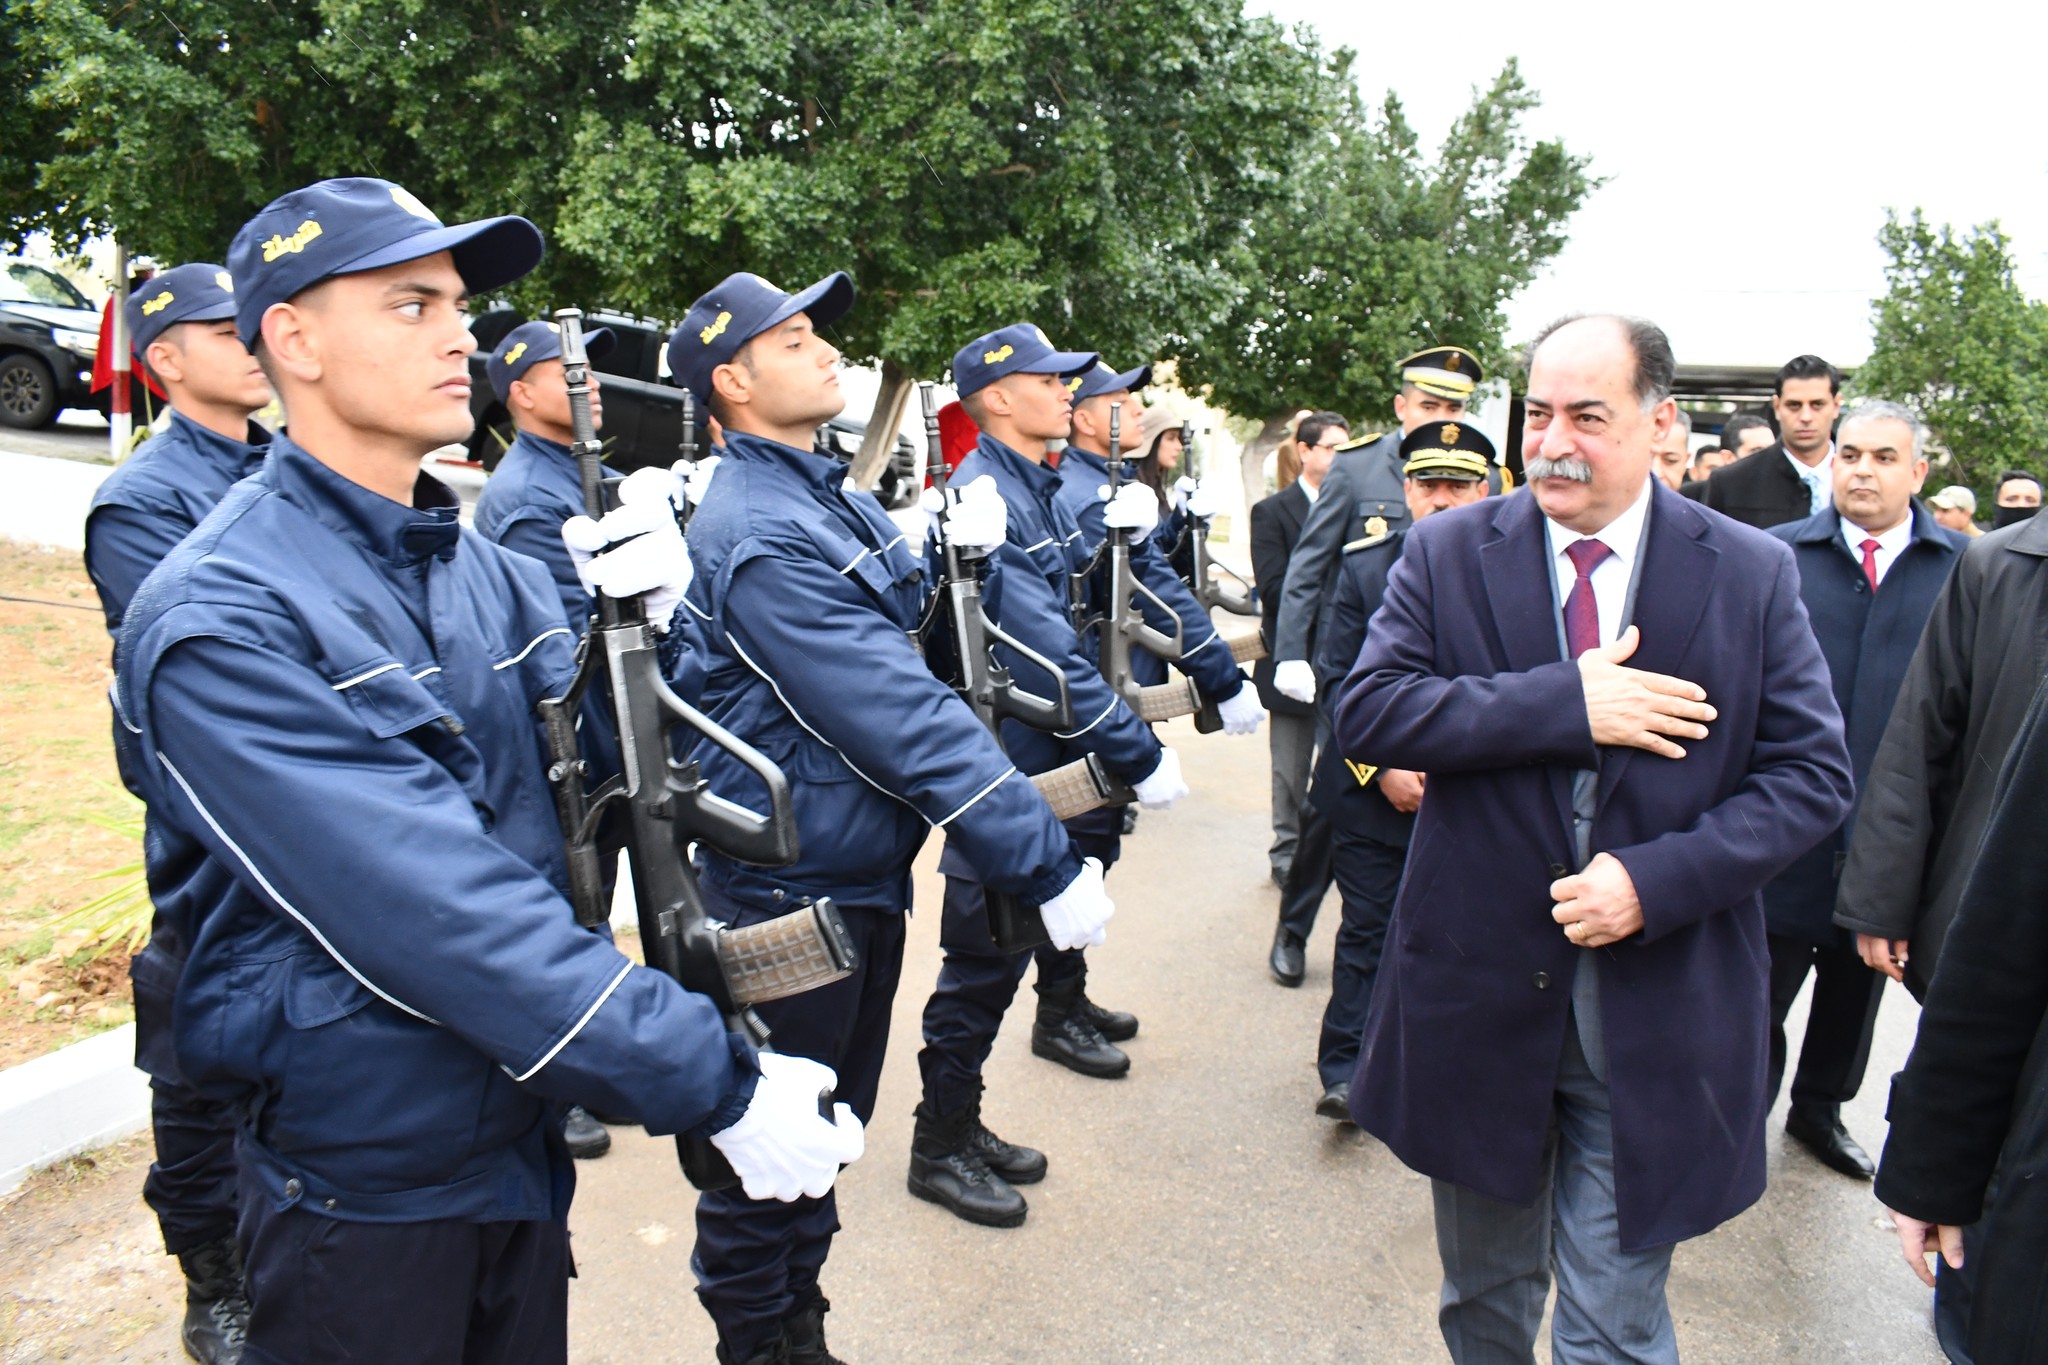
(825, 472)
(240, 457)
(1037, 477)
(545, 446)
(395, 533)
(1097, 464)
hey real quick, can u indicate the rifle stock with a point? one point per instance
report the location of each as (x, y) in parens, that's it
(668, 805)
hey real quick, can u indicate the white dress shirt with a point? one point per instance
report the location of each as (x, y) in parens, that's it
(1889, 543)
(1624, 537)
(1309, 490)
(1819, 480)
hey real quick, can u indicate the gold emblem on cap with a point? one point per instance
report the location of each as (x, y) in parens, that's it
(1449, 435)
(997, 357)
(512, 356)
(1375, 526)
(157, 304)
(1074, 384)
(715, 330)
(1451, 361)
(290, 246)
(224, 280)
(408, 201)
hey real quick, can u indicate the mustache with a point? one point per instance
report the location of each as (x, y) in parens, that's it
(1570, 467)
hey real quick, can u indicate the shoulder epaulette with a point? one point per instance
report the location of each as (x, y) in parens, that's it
(1367, 542)
(1357, 441)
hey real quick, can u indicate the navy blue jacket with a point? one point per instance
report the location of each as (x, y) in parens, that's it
(155, 498)
(534, 489)
(1027, 596)
(329, 697)
(808, 603)
(1868, 640)
(1082, 476)
(1345, 787)
(1462, 677)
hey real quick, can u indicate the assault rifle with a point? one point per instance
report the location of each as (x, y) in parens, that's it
(667, 806)
(1234, 595)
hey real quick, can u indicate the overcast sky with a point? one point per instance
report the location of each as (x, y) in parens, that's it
(1750, 149)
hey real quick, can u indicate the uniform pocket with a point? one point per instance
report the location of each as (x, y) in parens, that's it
(389, 700)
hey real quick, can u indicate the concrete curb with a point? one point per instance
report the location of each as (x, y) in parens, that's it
(72, 1100)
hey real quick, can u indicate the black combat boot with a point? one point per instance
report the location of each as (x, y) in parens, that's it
(946, 1169)
(1018, 1165)
(586, 1137)
(216, 1303)
(775, 1352)
(1063, 1034)
(803, 1336)
(1115, 1025)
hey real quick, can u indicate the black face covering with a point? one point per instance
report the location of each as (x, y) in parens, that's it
(2011, 516)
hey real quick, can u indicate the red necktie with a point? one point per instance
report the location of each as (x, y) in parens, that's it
(1869, 548)
(1581, 612)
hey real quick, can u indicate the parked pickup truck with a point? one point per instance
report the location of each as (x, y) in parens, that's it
(643, 422)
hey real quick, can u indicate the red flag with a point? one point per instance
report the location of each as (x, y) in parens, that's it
(957, 434)
(103, 359)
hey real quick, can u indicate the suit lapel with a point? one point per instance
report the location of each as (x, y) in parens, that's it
(1514, 565)
(1673, 584)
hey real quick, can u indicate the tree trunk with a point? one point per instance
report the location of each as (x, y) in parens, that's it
(880, 440)
(1251, 460)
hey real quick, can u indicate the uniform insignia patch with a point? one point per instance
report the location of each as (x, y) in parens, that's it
(997, 357)
(409, 201)
(1375, 526)
(1362, 771)
(1074, 384)
(1451, 360)
(157, 304)
(280, 245)
(512, 356)
(224, 280)
(1449, 435)
(716, 329)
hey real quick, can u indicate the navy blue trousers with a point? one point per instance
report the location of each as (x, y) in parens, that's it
(191, 1184)
(977, 981)
(757, 1261)
(1368, 875)
(445, 1292)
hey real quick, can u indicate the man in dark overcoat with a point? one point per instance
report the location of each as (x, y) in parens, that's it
(1628, 731)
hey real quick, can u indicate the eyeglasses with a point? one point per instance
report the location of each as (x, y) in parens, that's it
(1326, 445)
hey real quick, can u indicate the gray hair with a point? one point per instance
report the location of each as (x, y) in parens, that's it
(1883, 409)
(1656, 367)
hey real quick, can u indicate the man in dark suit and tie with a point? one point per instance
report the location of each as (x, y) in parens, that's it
(1276, 526)
(1870, 568)
(1628, 730)
(1791, 480)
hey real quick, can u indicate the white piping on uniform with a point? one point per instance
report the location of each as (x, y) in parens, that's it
(894, 543)
(1039, 546)
(976, 797)
(1213, 638)
(587, 1014)
(1075, 734)
(430, 668)
(696, 611)
(114, 696)
(558, 630)
(773, 686)
(275, 895)
(347, 683)
(855, 560)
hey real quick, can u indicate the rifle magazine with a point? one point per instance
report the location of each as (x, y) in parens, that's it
(1166, 700)
(787, 955)
(1246, 649)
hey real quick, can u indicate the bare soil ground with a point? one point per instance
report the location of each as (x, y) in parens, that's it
(56, 768)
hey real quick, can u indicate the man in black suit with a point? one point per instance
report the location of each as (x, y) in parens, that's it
(1793, 479)
(1276, 526)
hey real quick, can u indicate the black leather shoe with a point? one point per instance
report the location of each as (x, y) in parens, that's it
(216, 1303)
(1336, 1102)
(1115, 1025)
(1288, 961)
(1018, 1165)
(803, 1336)
(1828, 1140)
(586, 1137)
(946, 1170)
(1130, 819)
(1078, 1045)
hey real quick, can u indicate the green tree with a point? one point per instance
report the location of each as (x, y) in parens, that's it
(1373, 251)
(1957, 340)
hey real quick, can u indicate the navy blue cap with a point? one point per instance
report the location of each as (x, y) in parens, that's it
(1020, 348)
(1102, 379)
(736, 310)
(526, 345)
(340, 227)
(191, 293)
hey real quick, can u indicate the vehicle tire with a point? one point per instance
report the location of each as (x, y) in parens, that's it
(28, 393)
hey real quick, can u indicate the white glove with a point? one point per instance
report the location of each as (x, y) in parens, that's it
(1241, 713)
(1076, 916)
(697, 477)
(652, 484)
(1295, 678)
(637, 551)
(977, 519)
(1203, 501)
(1135, 508)
(782, 1147)
(1163, 786)
(1182, 487)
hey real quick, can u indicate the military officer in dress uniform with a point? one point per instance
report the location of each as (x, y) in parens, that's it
(183, 326)
(1371, 809)
(1014, 384)
(326, 695)
(808, 601)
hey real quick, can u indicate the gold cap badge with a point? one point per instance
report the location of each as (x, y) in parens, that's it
(157, 304)
(716, 329)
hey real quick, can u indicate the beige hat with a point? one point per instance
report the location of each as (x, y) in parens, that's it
(1955, 498)
(1158, 418)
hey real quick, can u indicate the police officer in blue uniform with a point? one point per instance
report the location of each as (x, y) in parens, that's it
(183, 326)
(1013, 383)
(808, 602)
(1371, 809)
(326, 694)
